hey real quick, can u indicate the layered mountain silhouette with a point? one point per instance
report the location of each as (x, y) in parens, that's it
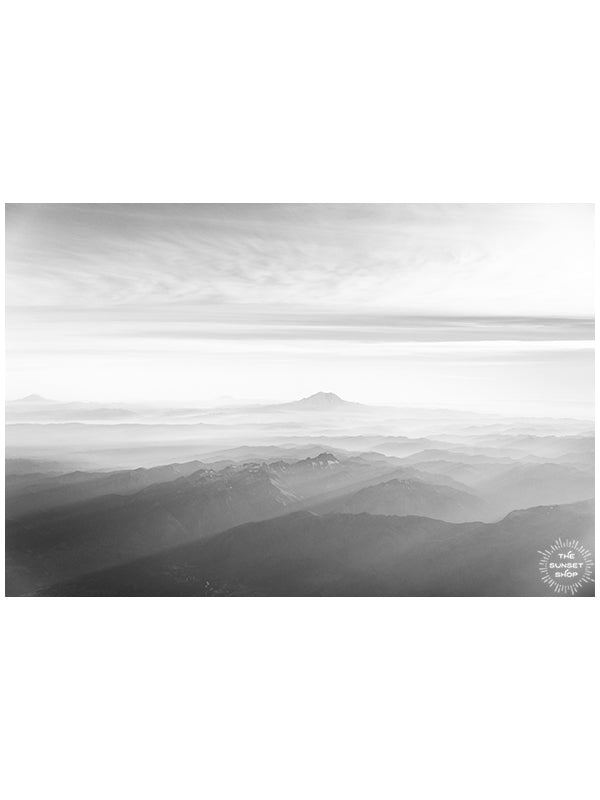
(323, 474)
(31, 493)
(317, 496)
(117, 528)
(342, 554)
(65, 525)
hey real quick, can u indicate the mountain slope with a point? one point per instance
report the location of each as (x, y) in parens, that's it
(61, 526)
(52, 546)
(536, 484)
(42, 493)
(409, 496)
(342, 554)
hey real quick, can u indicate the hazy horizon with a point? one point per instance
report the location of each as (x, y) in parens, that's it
(231, 401)
(486, 307)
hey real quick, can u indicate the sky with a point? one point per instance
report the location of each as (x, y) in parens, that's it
(475, 306)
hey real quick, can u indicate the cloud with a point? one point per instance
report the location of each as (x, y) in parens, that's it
(370, 328)
(95, 288)
(534, 260)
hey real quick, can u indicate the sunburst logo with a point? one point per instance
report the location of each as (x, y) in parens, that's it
(566, 566)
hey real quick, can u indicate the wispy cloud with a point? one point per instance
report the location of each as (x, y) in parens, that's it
(367, 328)
(533, 260)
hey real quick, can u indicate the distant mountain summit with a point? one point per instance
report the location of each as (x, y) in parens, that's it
(32, 398)
(321, 401)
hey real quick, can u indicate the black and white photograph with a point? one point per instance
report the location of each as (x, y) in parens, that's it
(300, 399)
(311, 399)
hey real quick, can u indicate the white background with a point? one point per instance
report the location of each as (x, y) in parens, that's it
(304, 101)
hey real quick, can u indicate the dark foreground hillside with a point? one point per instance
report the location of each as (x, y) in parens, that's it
(304, 554)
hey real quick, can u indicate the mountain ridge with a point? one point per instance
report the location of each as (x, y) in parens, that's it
(303, 554)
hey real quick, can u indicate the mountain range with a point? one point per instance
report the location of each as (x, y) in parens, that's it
(96, 497)
(62, 526)
(342, 554)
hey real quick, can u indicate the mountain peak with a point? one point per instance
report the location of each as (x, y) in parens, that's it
(328, 397)
(321, 400)
(33, 398)
(322, 460)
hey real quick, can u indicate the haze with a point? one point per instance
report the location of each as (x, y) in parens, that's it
(484, 307)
